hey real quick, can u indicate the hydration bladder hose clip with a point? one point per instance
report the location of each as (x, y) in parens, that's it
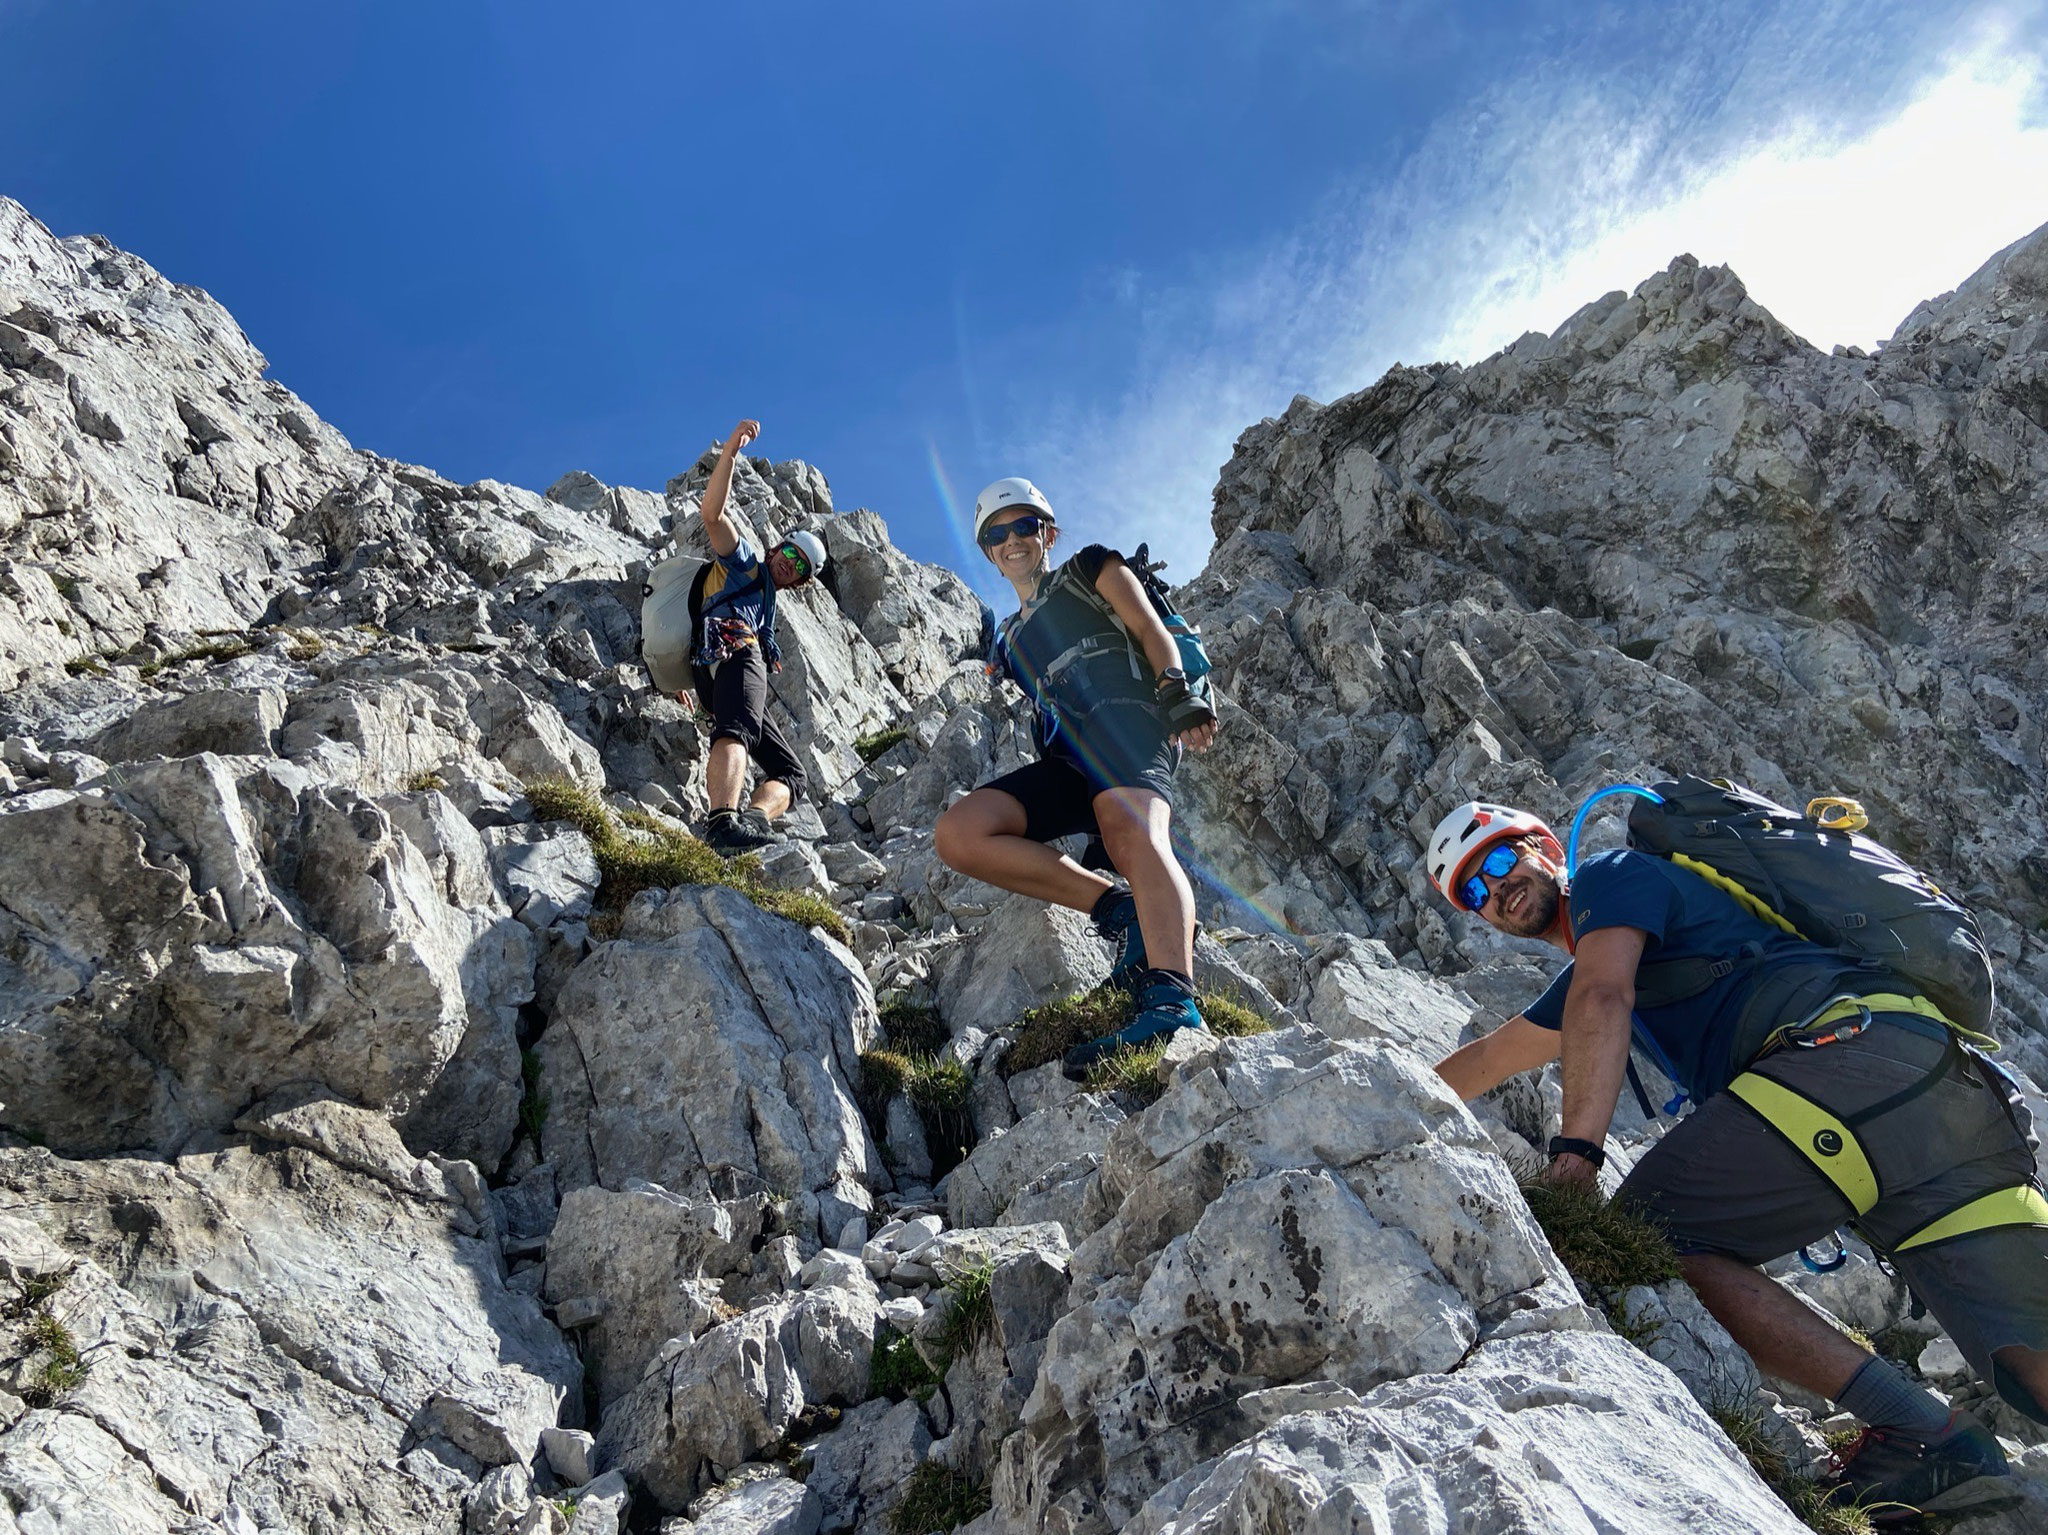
(1571, 847)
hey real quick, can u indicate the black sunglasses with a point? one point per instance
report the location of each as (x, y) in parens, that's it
(795, 556)
(997, 534)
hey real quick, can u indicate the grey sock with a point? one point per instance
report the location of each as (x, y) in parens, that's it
(1882, 1397)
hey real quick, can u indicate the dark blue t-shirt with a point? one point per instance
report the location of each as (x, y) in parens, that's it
(1684, 918)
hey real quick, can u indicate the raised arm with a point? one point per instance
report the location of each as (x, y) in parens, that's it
(717, 526)
(1515, 1047)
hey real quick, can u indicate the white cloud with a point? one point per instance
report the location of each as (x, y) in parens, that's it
(1839, 212)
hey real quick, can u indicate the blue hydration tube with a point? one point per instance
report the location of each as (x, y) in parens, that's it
(1571, 847)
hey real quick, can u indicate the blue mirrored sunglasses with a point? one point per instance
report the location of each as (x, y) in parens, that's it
(1472, 894)
(997, 533)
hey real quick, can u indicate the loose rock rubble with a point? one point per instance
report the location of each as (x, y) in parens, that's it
(369, 1163)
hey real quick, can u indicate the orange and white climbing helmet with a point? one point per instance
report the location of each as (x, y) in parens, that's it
(1469, 831)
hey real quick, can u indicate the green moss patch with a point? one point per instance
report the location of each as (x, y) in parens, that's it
(935, 1500)
(913, 1027)
(639, 851)
(1049, 1032)
(872, 745)
(897, 1370)
(1602, 1245)
(939, 1090)
(220, 647)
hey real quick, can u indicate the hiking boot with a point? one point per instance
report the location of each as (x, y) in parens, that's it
(1163, 1006)
(756, 820)
(725, 832)
(1118, 926)
(1895, 1476)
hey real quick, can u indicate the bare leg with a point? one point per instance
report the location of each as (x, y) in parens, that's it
(724, 772)
(1137, 833)
(771, 797)
(983, 837)
(1775, 1328)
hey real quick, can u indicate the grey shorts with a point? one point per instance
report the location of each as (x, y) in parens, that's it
(1726, 1181)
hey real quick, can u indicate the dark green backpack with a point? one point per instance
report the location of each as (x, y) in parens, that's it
(1816, 875)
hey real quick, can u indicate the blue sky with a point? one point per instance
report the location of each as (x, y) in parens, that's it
(929, 242)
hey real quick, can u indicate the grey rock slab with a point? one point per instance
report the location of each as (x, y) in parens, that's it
(656, 1264)
(735, 1391)
(570, 1452)
(227, 721)
(315, 1317)
(771, 1505)
(1537, 1434)
(859, 1469)
(1000, 1167)
(1026, 953)
(711, 1049)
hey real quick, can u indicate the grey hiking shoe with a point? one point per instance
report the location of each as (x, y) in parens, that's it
(729, 833)
(1895, 1476)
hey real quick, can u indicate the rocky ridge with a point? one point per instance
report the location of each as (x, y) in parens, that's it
(370, 1165)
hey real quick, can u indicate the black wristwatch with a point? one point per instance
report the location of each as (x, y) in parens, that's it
(1567, 1145)
(1171, 675)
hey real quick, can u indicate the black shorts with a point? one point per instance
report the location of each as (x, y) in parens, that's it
(1725, 1181)
(1124, 745)
(735, 695)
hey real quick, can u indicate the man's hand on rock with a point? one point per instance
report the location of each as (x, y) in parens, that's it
(1568, 1170)
(1199, 739)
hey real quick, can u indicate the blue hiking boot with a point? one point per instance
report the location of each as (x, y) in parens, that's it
(1163, 1006)
(1896, 1477)
(1119, 927)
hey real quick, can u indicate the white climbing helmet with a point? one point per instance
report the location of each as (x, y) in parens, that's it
(1469, 831)
(1004, 494)
(812, 546)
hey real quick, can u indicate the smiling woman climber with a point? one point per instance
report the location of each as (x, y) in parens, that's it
(1114, 710)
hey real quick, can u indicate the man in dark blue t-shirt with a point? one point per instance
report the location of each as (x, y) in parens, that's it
(1746, 1016)
(1701, 1039)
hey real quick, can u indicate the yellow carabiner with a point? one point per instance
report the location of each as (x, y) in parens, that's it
(1831, 813)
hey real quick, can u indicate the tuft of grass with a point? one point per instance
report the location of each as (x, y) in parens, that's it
(1641, 1331)
(61, 1368)
(939, 1090)
(1131, 1072)
(897, 1370)
(1826, 1510)
(1602, 1245)
(420, 783)
(913, 1027)
(220, 647)
(86, 666)
(935, 1500)
(303, 645)
(35, 1290)
(533, 1103)
(639, 851)
(970, 1312)
(1049, 1032)
(872, 745)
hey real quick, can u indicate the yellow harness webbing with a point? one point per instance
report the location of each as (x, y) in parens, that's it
(1823, 1139)
(1836, 1152)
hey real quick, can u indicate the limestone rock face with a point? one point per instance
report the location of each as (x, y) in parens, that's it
(1536, 1433)
(703, 992)
(264, 1324)
(352, 1116)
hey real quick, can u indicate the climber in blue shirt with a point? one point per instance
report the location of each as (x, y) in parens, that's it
(1823, 1094)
